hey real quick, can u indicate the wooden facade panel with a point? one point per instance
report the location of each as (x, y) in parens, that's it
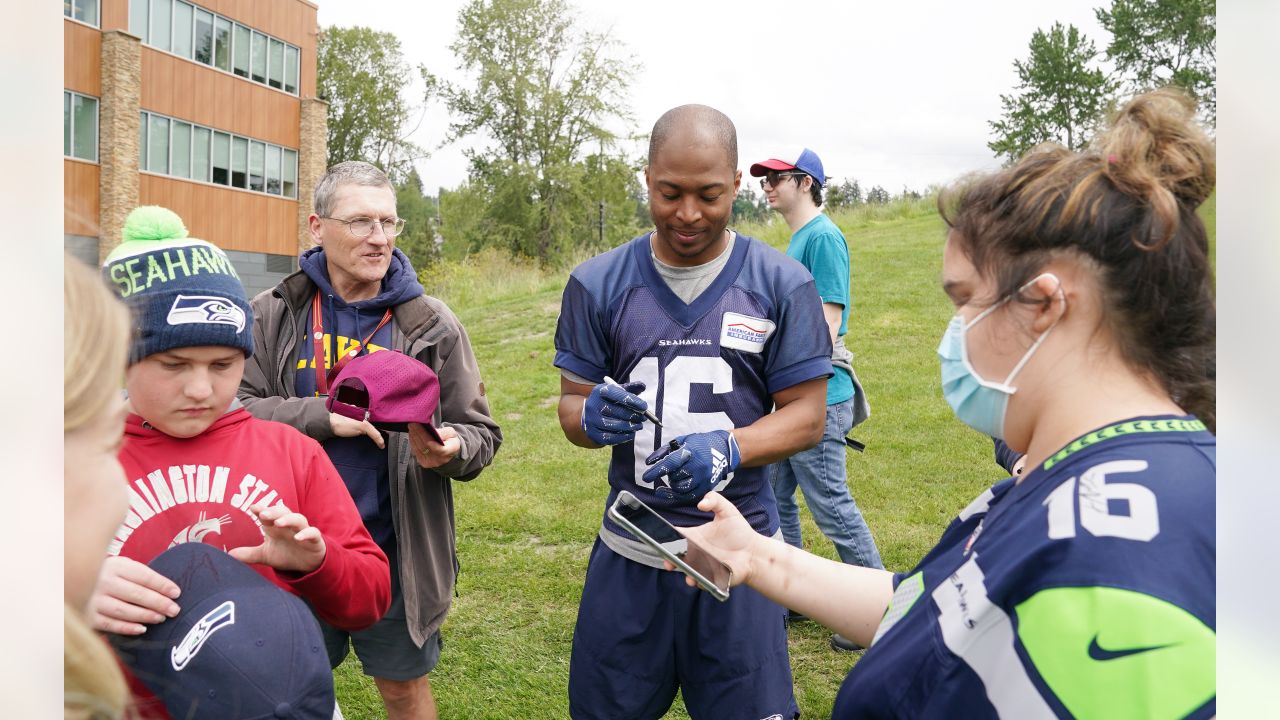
(81, 58)
(281, 18)
(186, 90)
(184, 83)
(80, 198)
(307, 69)
(115, 15)
(231, 219)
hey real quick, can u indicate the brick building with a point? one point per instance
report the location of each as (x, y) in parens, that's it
(208, 108)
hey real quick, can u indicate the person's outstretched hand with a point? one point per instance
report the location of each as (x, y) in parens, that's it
(613, 413)
(290, 543)
(694, 465)
(130, 596)
(728, 536)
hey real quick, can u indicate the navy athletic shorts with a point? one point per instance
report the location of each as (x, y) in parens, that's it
(642, 633)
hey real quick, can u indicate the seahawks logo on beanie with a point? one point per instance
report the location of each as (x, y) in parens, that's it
(183, 292)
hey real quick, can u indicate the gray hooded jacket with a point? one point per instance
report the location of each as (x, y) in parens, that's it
(421, 499)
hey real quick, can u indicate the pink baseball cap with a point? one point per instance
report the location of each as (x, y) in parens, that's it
(389, 389)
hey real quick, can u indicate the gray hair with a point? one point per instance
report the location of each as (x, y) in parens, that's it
(351, 172)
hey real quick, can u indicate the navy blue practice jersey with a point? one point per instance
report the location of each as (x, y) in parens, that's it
(709, 365)
(1085, 591)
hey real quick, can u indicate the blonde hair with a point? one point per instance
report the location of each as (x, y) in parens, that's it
(96, 333)
(93, 687)
(96, 338)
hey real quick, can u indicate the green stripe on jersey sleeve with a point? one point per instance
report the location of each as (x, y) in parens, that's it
(1111, 653)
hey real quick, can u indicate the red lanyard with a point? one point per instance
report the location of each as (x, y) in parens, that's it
(321, 357)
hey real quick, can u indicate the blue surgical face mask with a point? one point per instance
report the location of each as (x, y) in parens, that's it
(980, 404)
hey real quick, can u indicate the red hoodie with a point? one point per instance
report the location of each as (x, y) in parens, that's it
(199, 490)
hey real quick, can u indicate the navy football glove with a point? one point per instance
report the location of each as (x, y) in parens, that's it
(694, 464)
(613, 413)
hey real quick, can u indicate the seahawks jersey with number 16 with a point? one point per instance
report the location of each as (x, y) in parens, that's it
(1087, 590)
(712, 364)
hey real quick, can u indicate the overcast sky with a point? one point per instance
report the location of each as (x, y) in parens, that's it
(893, 94)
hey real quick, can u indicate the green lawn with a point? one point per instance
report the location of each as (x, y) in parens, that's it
(526, 525)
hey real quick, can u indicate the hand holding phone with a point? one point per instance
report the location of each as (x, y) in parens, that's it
(691, 558)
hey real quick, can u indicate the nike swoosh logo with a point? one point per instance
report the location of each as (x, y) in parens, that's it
(1097, 652)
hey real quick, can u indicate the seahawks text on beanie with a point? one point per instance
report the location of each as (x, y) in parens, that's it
(182, 291)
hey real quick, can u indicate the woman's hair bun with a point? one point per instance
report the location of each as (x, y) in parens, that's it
(1156, 151)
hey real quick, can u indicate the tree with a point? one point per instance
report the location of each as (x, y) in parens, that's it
(748, 206)
(1165, 42)
(363, 76)
(418, 239)
(544, 92)
(845, 195)
(1060, 96)
(877, 196)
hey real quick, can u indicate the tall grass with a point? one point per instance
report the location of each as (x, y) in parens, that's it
(775, 231)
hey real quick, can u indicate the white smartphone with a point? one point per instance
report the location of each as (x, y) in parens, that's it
(692, 559)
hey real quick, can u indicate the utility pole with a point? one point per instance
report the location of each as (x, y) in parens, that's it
(600, 188)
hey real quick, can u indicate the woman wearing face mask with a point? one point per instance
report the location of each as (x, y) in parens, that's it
(1084, 338)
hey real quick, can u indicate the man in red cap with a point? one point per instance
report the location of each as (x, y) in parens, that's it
(794, 189)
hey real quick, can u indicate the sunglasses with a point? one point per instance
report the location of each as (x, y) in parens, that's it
(772, 178)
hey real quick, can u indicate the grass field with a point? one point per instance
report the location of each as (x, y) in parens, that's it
(526, 525)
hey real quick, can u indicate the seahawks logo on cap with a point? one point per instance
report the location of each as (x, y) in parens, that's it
(214, 620)
(206, 309)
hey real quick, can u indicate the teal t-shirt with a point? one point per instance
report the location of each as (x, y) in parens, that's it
(821, 247)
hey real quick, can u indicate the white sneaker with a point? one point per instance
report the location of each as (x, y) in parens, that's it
(337, 711)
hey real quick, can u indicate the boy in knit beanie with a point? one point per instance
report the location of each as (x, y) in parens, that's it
(200, 468)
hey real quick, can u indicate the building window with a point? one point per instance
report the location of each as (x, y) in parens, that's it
(258, 58)
(86, 11)
(240, 50)
(239, 162)
(192, 32)
(204, 37)
(158, 144)
(161, 23)
(142, 142)
(273, 169)
(186, 150)
(289, 168)
(221, 158)
(79, 126)
(291, 69)
(139, 14)
(183, 14)
(222, 44)
(200, 154)
(180, 154)
(256, 162)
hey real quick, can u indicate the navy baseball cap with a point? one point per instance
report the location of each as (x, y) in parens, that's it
(808, 163)
(239, 648)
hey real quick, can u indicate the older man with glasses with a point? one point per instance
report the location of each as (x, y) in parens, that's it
(794, 189)
(355, 293)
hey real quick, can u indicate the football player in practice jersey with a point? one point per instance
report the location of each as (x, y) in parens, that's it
(723, 339)
(1083, 337)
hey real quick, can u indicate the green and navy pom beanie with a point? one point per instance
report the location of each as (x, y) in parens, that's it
(183, 292)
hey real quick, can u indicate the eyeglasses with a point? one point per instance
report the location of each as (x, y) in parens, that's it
(362, 227)
(771, 180)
